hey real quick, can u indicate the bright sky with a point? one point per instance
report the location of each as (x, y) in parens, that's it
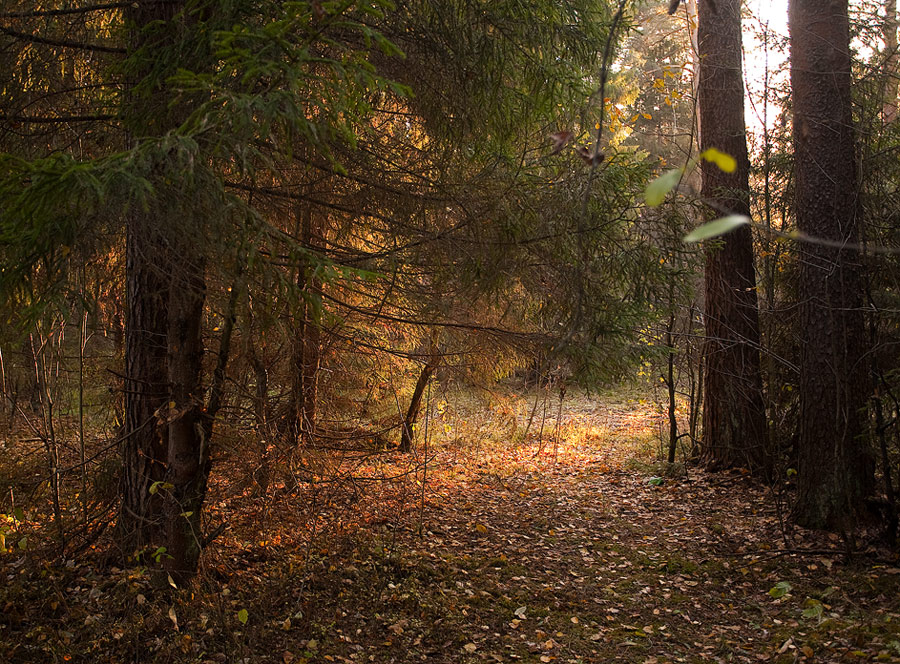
(771, 14)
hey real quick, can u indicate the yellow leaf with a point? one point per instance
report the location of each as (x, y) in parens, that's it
(481, 528)
(647, 116)
(724, 161)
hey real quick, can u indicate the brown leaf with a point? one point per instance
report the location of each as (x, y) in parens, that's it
(589, 157)
(560, 140)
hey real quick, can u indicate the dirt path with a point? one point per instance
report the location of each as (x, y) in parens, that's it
(588, 563)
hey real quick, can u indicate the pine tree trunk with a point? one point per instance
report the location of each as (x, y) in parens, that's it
(166, 439)
(835, 468)
(146, 385)
(188, 453)
(734, 420)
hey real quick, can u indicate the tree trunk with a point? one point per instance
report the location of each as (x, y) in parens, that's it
(891, 91)
(734, 420)
(188, 433)
(307, 355)
(412, 413)
(670, 386)
(146, 384)
(167, 440)
(835, 468)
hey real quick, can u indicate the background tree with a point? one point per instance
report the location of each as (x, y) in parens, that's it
(734, 418)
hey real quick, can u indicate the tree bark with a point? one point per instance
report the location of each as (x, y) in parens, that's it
(307, 346)
(412, 413)
(891, 91)
(146, 385)
(144, 445)
(734, 419)
(835, 469)
(166, 437)
(188, 431)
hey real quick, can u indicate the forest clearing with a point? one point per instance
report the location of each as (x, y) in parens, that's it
(581, 548)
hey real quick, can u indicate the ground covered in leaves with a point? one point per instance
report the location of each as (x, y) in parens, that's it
(565, 542)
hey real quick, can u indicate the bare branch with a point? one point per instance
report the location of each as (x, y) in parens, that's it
(64, 43)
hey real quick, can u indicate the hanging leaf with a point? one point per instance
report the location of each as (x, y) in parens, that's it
(243, 616)
(724, 161)
(658, 189)
(716, 228)
(560, 139)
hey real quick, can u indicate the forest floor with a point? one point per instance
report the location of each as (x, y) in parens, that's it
(572, 546)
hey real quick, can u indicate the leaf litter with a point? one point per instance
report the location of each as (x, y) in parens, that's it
(551, 549)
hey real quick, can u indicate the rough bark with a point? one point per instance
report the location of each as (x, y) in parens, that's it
(835, 468)
(734, 420)
(144, 444)
(166, 436)
(188, 431)
(146, 385)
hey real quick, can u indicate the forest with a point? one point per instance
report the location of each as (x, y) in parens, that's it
(449, 331)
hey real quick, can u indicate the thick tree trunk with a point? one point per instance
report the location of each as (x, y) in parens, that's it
(188, 444)
(734, 420)
(166, 437)
(835, 468)
(144, 444)
(146, 385)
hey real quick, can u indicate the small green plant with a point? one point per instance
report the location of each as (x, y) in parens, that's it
(780, 589)
(814, 609)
